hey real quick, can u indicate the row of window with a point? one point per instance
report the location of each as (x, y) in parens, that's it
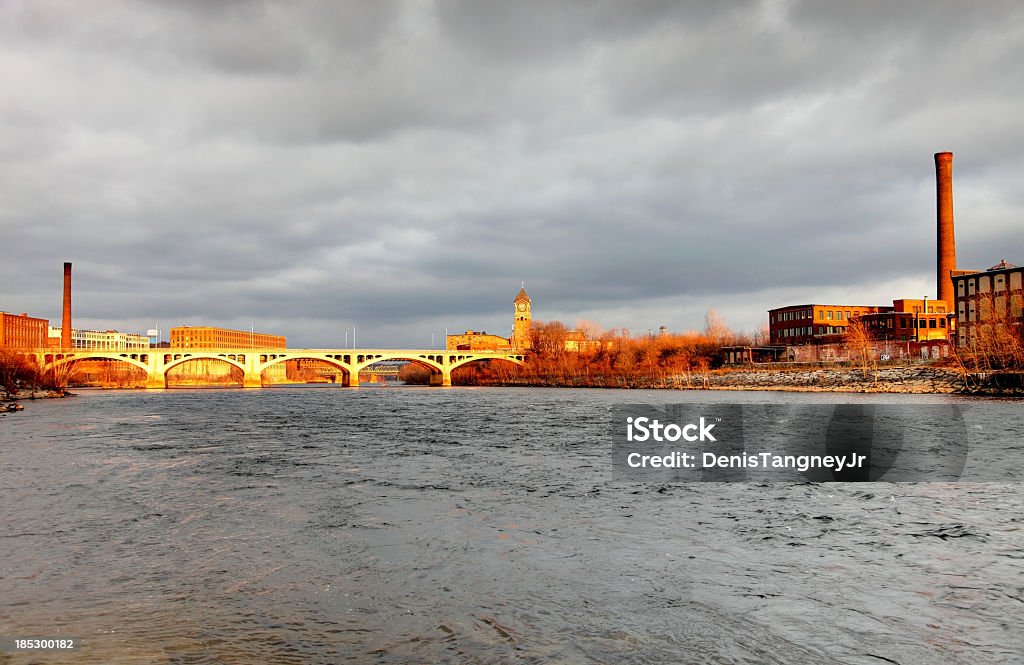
(903, 322)
(791, 315)
(811, 330)
(970, 286)
(823, 315)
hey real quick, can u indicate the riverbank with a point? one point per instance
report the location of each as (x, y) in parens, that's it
(922, 379)
(913, 380)
(22, 395)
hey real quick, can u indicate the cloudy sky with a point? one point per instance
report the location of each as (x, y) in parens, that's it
(402, 167)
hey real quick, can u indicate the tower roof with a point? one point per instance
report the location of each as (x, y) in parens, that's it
(522, 295)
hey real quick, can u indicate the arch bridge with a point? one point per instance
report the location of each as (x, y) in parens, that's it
(253, 361)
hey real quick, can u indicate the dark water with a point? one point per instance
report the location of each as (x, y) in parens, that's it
(414, 525)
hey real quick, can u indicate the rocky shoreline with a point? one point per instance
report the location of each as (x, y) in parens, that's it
(923, 379)
(913, 380)
(11, 402)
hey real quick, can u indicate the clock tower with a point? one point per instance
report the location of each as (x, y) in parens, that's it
(521, 324)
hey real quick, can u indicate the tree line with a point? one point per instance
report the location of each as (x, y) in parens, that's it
(588, 356)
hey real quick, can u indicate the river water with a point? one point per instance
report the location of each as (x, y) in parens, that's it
(419, 525)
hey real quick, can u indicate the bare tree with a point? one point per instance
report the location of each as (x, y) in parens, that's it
(716, 330)
(859, 347)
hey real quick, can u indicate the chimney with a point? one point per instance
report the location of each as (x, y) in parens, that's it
(65, 320)
(946, 245)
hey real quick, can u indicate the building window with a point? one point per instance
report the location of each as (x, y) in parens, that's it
(829, 315)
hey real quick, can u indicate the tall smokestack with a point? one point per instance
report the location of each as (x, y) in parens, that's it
(65, 319)
(946, 245)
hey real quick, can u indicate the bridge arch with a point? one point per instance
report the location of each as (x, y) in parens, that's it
(327, 359)
(182, 358)
(466, 361)
(463, 360)
(432, 362)
(51, 361)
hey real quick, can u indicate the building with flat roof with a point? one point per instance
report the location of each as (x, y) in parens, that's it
(475, 340)
(107, 340)
(814, 324)
(908, 319)
(21, 331)
(989, 297)
(208, 337)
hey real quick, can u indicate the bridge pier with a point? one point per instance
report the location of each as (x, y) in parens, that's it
(250, 380)
(350, 380)
(156, 381)
(442, 379)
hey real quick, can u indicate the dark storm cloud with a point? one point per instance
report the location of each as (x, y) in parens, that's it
(402, 166)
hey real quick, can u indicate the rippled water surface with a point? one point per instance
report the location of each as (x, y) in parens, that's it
(475, 526)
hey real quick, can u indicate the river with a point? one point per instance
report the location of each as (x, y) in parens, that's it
(426, 525)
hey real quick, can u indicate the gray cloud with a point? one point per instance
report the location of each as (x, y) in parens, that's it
(403, 166)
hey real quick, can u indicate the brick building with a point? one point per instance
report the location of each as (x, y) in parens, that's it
(473, 340)
(993, 296)
(907, 320)
(814, 324)
(206, 337)
(912, 320)
(22, 331)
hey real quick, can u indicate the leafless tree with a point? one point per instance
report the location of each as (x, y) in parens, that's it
(859, 347)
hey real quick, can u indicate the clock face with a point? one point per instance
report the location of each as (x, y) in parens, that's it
(521, 307)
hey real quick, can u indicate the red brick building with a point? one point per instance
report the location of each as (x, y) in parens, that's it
(206, 337)
(814, 324)
(22, 331)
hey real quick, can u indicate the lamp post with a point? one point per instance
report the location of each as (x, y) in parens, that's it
(925, 309)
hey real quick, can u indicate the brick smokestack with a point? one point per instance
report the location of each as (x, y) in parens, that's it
(946, 246)
(65, 319)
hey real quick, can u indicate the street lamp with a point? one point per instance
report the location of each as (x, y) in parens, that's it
(925, 309)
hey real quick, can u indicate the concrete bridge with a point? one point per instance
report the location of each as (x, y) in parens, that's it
(253, 362)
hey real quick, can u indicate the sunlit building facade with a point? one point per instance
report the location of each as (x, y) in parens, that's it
(102, 340)
(21, 331)
(993, 296)
(206, 337)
